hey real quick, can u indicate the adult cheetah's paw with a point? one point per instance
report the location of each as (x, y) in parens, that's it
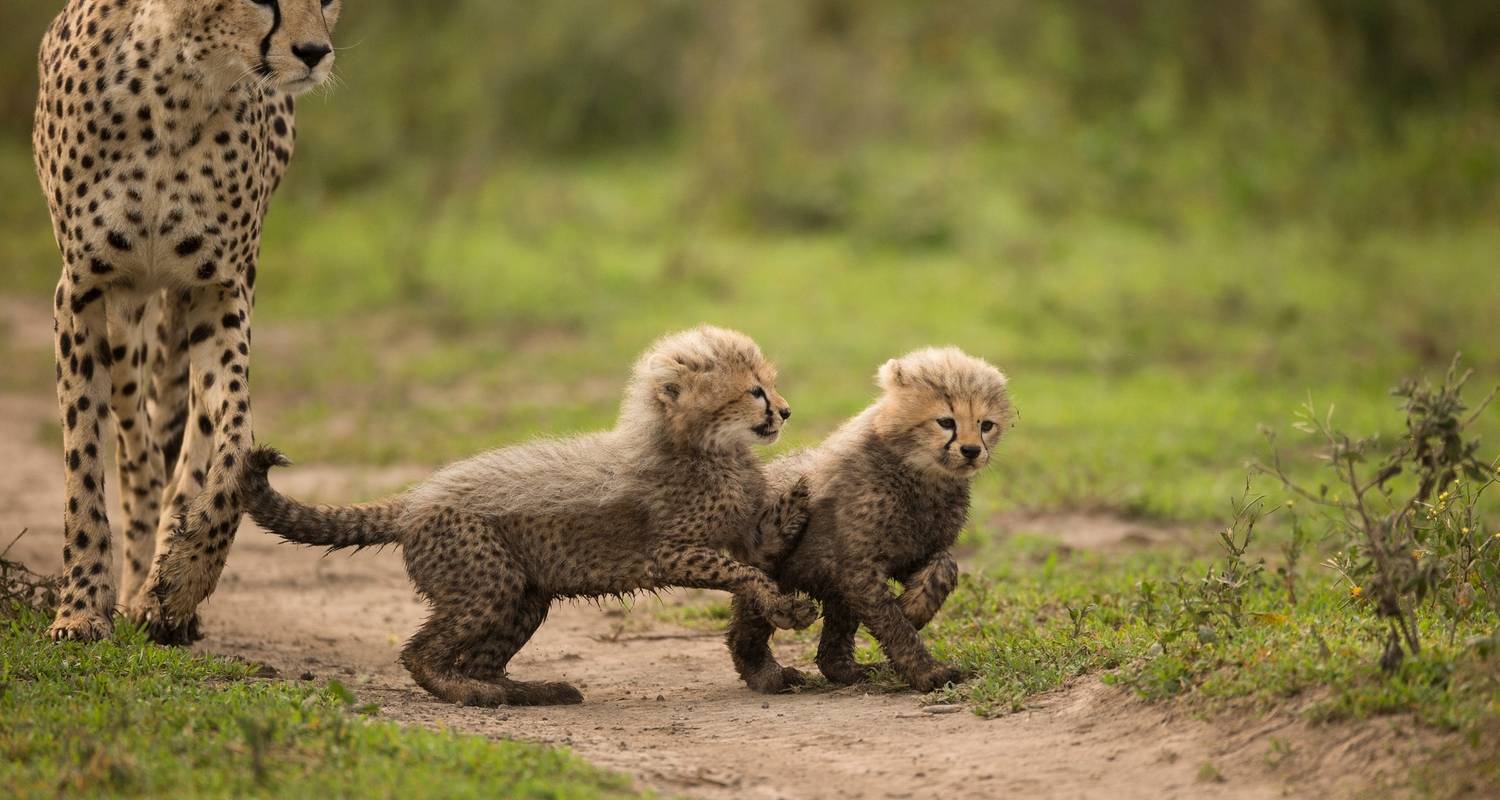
(792, 612)
(81, 626)
(147, 612)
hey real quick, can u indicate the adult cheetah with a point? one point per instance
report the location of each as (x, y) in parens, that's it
(162, 128)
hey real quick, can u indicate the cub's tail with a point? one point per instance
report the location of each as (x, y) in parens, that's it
(334, 527)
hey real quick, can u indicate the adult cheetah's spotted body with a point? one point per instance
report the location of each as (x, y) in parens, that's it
(162, 128)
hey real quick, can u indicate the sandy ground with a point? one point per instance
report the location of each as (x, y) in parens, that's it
(662, 703)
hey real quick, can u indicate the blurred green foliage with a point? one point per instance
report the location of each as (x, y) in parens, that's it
(1168, 220)
(834, 113)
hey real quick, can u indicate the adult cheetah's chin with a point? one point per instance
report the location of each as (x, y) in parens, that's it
(298, 86)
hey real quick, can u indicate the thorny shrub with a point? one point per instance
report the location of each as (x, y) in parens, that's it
(1408, 521)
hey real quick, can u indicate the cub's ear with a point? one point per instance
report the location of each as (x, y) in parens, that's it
(666, 378)
(891, 376)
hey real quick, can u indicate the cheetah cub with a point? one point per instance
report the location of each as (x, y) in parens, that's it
(889, 494)
(491, 541)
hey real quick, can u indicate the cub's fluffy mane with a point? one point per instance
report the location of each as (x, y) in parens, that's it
(946, 371)
(704, 353)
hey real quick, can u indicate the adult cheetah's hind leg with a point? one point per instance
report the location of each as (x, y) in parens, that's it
(83, 366)
(137, 459)
(191, 558)
(167, 402)
(749, 646)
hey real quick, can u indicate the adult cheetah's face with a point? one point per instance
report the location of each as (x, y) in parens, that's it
(285, 43)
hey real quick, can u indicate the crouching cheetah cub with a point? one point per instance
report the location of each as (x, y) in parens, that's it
(491, 541)
(889, 493)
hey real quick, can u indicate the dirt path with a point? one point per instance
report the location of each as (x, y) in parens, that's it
(662, 703)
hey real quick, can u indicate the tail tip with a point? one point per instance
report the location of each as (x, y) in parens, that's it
(264, 457)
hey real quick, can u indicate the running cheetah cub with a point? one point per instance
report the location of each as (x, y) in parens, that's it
(491, 541)
(889, 494)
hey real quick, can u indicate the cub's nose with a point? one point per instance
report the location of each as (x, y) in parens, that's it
(970, 451)
(785, 412)
(311, 54)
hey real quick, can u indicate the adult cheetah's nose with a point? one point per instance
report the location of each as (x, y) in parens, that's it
(785, 412)
(311, 54)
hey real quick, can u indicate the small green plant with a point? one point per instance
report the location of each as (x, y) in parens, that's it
(1291, 554)
(1409, 521)
(1205, 606)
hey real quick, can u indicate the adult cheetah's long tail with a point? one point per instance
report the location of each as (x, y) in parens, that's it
(333, 527)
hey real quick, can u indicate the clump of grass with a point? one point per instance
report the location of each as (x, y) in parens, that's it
(21, 587)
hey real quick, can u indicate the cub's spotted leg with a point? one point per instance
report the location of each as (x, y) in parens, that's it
(749, 645)
(836, 645)
(189, 562)
(865, 589)
(927, 588)
(137, 460)
(697, 567)
(482, 614)
(487, 660)
(83, 365)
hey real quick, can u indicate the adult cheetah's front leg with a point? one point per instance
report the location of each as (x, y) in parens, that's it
(204, 506)
(83, 389)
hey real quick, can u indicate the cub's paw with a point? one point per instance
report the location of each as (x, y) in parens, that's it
(936, 677)
(81, 625)
(557, 693)
(775, 679)
(844, 673)
(793, 509)
(792, 612)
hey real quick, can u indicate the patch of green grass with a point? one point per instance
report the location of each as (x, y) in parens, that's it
(126, 718)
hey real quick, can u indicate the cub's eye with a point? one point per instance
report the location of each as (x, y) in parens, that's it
(264, 2)
(327, 3)
(986, 426)
(758, 393)
(946, 423)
